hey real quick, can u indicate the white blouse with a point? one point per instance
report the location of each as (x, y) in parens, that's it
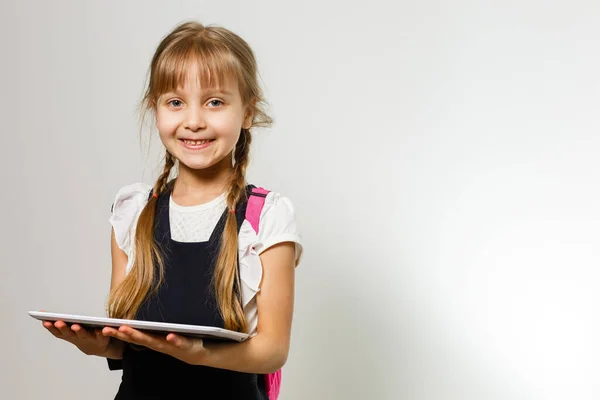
(196, 223)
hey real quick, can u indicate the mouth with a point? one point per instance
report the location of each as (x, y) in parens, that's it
(196, 144)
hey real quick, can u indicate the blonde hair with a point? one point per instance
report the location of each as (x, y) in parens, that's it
(219, 54)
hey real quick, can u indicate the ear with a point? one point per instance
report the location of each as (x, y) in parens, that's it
(249, 115)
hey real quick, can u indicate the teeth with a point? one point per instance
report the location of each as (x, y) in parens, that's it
(195, 142)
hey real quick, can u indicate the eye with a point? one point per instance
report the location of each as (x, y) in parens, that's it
(215, 103)
(175, 103)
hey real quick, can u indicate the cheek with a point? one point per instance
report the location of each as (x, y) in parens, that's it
(228, 126)
(166, 126)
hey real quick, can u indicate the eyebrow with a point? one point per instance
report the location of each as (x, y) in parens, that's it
(203, 92)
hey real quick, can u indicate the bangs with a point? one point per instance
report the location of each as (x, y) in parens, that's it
(210, 63)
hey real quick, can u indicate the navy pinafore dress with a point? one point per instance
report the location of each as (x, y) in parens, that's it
(186, 296)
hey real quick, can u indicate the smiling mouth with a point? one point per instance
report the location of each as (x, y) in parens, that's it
(196, 142)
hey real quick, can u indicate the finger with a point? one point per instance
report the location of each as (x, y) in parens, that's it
(80, 332)
(64, 330)
(112, 332)
(108, 331)
(180, 342)
(120, 336)
(52, 329)
(123, 337)
(154, 342)
(97, 335)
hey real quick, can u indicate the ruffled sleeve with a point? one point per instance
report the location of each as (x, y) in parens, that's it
(278, 225)
(127, 206)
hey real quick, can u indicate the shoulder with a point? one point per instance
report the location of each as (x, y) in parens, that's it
(278, 211)
(127, 205)
(278, 223)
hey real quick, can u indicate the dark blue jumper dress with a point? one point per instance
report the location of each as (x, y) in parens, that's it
(186, 296)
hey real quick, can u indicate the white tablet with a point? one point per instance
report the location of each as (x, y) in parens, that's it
(205, 332)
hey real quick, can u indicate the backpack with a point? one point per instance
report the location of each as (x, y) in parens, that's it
(256, 201)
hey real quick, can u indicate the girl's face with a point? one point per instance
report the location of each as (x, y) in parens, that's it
(200, 126)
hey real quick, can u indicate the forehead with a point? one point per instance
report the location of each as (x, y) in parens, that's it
(193, 74)
(197, 79)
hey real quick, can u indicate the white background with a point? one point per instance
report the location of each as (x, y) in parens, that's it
(442, 157)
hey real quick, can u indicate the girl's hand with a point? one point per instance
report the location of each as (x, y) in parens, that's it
(189, 350)
(90, 342)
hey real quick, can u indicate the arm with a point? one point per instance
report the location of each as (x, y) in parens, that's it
(267, 351)
(119, 263)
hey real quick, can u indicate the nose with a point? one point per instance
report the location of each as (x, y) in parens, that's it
(194, 120)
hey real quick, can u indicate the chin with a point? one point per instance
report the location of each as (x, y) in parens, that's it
(197, 164)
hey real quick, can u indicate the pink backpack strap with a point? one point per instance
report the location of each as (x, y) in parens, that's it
(256, 201)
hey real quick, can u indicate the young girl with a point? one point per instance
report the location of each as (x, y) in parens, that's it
(182, 250)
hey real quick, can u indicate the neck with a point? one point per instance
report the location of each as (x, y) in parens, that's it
(205, 183)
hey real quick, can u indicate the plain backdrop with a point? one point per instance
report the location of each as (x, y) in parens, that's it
(442, 158)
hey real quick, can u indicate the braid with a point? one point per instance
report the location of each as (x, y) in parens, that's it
(126, 298)
(163, 179)
(237, 183)
(226, 277)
